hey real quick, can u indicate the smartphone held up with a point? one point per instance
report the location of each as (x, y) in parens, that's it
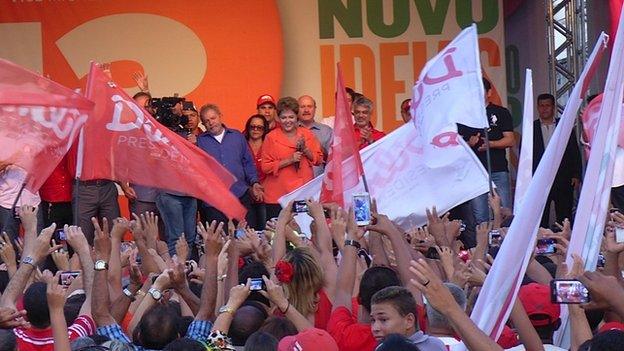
(362, 209)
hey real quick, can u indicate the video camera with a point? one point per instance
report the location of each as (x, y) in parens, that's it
(162, 110)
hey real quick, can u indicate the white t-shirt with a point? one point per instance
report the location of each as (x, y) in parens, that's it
(547, 347)
(451, 344)
(10, 183)
(220, 136)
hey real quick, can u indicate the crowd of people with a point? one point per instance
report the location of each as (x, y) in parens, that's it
(180, 275)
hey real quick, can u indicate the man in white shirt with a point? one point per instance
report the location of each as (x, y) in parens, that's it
(11, 179)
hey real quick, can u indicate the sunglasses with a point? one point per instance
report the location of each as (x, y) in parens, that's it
(256, 127)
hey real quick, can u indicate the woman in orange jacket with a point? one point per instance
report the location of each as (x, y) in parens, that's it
(288, 154)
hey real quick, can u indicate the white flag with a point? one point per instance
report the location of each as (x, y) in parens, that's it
(426, 163)
(525, 165)
(449, 89)
(501, 286)
(404, 184)
(593, 205)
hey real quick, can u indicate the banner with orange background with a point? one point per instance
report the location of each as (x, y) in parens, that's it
(230, 52)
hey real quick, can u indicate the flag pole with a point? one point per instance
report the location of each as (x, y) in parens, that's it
(19, 194)
(488, 157)
(365, 183)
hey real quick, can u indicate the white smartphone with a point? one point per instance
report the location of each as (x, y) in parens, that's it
(362, 209)
(619, 235)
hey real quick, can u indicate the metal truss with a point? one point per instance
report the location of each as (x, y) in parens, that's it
(567, 45)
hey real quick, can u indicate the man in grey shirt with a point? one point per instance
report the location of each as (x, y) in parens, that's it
(324, 134)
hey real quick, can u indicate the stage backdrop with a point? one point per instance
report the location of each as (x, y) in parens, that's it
(230, 52)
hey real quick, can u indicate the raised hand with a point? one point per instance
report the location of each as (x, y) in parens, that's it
(7, 252)
(222, 261)
(120, 226)
(431, 286)
(41, 248)
(275, 293)
(61, 259)
(55, 293)
(213, 238)
(182, 248)
(141, 81)
(238, 294)
(28, 217)
(149, 221)
(11, 318)
(76, 239)
(177, 276)
(610, 243)
(101, 240)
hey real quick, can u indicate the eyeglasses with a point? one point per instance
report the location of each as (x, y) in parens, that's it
(256, 127)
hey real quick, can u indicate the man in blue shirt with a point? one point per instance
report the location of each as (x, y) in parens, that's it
(229, 147)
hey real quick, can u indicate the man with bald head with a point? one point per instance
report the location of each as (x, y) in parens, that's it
(324, 133)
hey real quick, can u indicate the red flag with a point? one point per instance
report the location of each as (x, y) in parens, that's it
(40, 119)
(344, 166)
(123, 142)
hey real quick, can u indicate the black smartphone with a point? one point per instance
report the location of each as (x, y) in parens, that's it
(60, 238)
(432, 253)
(300, 206)
(546, 246)
(364, 254)
(568, 291)
(257, 284)
(601, 261)
(67, 277)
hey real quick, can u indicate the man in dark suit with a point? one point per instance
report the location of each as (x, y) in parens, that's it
(568, 176)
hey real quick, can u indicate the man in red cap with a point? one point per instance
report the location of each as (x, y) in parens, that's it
(544, 315)
(310, 339)
(266, 107)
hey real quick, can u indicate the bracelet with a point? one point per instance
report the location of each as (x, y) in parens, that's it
(221, 277)
(284, 312)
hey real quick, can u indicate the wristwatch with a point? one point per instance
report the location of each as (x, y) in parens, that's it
(156, 294)
(129, 294)
(226, 309)
(353, 243)
(28, 260)
(100, 265)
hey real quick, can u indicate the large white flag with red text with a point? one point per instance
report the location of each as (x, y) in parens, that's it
(593, 206)
(426, 163)
(501, 286)
(39, 121)
(449, 89)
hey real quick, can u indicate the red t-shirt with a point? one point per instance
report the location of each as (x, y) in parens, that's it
(323, 312)
(350, 335)
(30, 339)
(58, 186)
(375, 135)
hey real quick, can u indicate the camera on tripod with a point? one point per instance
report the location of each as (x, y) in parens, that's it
(163, 110)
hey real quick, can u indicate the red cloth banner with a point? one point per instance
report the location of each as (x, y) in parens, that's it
(40, 119)
(344, 166)
(123, 142)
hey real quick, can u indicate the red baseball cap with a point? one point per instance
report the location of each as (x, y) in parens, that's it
(263, 99)
(535, 299)
(310, 339)
(611, 326)
(508, 338)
